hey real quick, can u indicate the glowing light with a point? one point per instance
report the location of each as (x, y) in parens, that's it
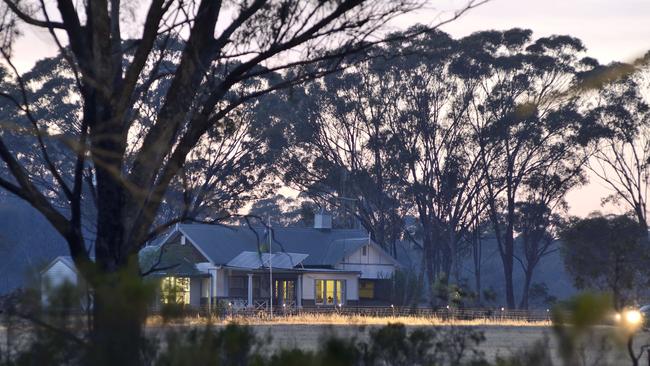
(633, 317)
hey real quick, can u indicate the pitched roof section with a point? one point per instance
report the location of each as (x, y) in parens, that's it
(254, 260)
(323, 247)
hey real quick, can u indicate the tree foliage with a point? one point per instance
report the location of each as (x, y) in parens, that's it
(606, 253)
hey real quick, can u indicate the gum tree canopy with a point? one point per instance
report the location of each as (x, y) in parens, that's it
(212, 55)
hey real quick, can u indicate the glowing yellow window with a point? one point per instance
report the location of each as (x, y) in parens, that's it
(175, 290)
(329, 286)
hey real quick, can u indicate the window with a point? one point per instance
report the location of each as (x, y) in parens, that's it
(364, 250)
(319, 291)
(366, 289)
(238, 286)
(284, 291)
(175, 290)
(329, 292)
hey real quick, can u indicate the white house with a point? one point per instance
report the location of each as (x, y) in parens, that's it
(307, 266)
(200, 265)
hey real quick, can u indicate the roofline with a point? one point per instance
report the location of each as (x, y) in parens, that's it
(394, 260)
(180, 229)
(294, 270)
(58, 258)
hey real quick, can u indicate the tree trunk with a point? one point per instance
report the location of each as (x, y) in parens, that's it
(523, 304)
(509, 253)
(507, 272)
(478, 251)
(120, 309)
(121, 298)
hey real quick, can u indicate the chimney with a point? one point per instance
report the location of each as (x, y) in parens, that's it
(322, 220)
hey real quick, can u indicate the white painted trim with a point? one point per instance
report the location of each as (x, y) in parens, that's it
(381, 250)
(54, 261)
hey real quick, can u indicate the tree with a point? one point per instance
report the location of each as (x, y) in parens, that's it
(621, 160)
(285, 211)
(231, 53)
(340, 155)
(606, 253)
(432, 140)
(248, 142)
(526, 122)
(388, 138)
(535, 224)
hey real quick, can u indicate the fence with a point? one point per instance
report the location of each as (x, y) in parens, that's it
(443, 314)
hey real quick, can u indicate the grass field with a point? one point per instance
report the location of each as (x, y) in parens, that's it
(502, 337)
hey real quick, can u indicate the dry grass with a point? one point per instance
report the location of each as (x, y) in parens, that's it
(346, 319)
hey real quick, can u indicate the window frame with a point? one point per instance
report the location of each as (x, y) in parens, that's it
(339, 290)
(177, 287)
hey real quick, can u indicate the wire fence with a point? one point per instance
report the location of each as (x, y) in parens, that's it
(441, 314)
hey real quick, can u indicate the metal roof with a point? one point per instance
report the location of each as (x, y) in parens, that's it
(221, 244)
(255, 260)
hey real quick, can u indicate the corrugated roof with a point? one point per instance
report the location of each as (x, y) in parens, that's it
(254, 260)
(323, 247)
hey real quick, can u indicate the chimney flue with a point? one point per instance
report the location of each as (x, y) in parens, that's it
(322, 220)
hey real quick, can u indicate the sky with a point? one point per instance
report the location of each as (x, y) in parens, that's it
(612, 30)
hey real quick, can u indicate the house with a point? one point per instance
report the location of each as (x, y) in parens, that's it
(305, 267)
(59, 272)
(202, 265)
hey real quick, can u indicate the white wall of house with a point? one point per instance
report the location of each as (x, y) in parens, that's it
(205, 287)
(219, 280)
(222, 282)
(56, 275)
(195, 291)
(351, 284)
(375, 264)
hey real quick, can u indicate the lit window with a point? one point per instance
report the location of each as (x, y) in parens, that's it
(329, 292)
(175, 290)
(284, 291)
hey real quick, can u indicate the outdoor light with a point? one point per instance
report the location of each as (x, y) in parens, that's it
(503, 309)
(340, 304)
(284, 305)
(633, 317)
(392, 306)
(447, 307)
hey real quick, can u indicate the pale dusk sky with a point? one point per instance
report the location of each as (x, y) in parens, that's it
(612, 30)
